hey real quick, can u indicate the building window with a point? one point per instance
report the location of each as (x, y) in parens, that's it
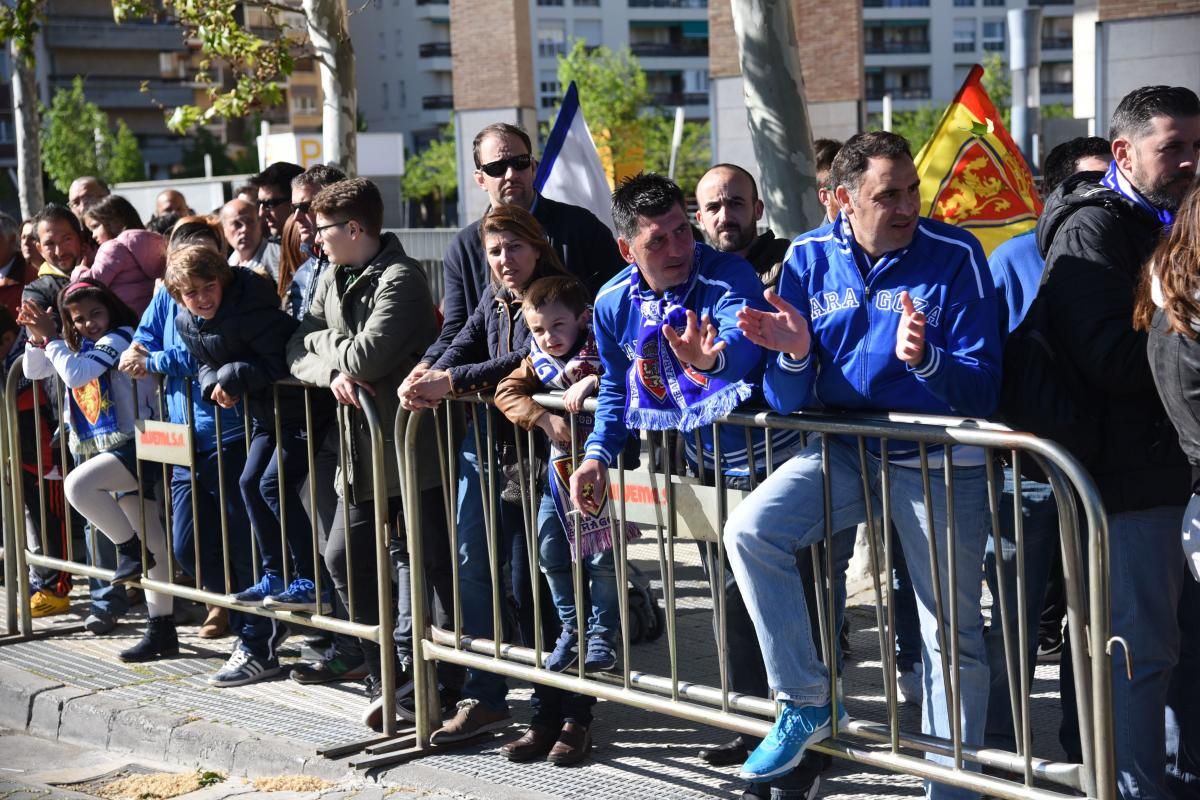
(994, 32)
(304, 99)
(399, 42)
(549, 89)
(401, 94)
(552, 38)
(1057, 77)
(382, 45)
(7, 132)
(549, 2)
(964, 3)
(384, 92)
(587, 2)
(590, 30)
(964, 36)
(994, 3)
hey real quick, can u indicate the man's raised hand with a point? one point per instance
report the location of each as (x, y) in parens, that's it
(698, 345)
(910, 335)
(784, 329)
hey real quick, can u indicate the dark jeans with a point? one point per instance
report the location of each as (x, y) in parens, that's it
(265, 498)
(326, 462)
(257, 634)
(54, 545)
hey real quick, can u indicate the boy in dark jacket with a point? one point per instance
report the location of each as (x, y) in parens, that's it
(234, 326)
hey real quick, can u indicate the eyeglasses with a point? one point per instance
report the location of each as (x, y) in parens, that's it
(320, 228)
(496, 169)
(301, 208)
(273, 203)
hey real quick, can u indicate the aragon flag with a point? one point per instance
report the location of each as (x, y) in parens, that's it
(973, 175)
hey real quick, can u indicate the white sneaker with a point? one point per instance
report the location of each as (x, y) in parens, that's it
(910, 685)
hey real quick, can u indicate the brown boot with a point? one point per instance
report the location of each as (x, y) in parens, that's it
(216, 624)
(473, 718)
(534, 743)
(573, 745)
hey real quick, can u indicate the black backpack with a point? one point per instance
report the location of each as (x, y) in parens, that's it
(1043, 392)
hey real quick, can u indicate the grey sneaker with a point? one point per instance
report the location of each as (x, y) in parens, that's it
(100, 623)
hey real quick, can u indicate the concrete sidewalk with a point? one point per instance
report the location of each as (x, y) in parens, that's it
(68, 685)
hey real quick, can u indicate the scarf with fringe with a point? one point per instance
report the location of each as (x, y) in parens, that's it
(662, 393)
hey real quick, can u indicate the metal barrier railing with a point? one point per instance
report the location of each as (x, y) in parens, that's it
(168, 444)
(880, 743)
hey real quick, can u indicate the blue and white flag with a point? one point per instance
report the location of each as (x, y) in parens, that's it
(570, 170)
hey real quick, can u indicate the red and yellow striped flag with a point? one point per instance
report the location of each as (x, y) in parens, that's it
(973, 175)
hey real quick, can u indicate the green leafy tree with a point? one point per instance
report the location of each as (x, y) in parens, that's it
(612, 95)
(76, 140)
(431, 177)
(695, 149)
(916, 126)
(997, 82)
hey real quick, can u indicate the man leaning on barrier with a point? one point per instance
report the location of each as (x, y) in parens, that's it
(880, 310)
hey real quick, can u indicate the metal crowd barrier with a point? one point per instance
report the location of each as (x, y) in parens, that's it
(162, 445)
(675, 507)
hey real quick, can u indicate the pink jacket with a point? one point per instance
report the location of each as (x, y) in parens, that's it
(129, 265)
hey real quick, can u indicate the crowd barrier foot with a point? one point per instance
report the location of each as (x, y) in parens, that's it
(336, 751)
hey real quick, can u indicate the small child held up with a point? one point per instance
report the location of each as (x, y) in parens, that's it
(104, 403)
(563, 357)
(233, 325)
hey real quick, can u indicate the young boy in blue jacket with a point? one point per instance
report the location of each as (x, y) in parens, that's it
(880, 310)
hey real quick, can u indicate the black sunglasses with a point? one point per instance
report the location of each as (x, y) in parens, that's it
(301, 208)
(273, 203)
(496, 169)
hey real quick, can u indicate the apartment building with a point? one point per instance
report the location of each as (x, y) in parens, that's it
(404, 55)
(919, 51)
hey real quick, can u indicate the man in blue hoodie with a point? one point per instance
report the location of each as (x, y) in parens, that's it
(880, 310)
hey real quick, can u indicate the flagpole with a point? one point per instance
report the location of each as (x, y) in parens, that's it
(676, 141)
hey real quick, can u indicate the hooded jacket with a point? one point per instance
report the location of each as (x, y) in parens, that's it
(1095, 242)
(129, 265)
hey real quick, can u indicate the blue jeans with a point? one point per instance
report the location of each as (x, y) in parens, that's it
(265, 497)
(255, 632)
(475, 590)
(106, 598)
(908, 624)
(1039, 514)
(1153, 596)
(554, 554)
(786, 513)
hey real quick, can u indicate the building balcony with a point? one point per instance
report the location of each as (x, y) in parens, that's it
(1057, 42)
(680, 98)
(434, 50)
(1039, 3)
(911, 93)
(101, 33)
(964, 47)
(895, 3)
(688, 49)
(436, 10)
(994, 46)
(435, 102)
(1057, 87)
(125, 92)
(890, 48)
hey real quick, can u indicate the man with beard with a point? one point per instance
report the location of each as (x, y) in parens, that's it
(728, 209)
(1096, 232)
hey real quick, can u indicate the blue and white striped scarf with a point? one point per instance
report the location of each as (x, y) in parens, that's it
(1113, 179)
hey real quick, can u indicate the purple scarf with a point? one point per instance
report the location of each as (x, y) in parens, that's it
(661, 393)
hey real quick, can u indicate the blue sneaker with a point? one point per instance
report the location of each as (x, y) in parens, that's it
(601, 655)
(267, 585)
(566, 651)
(301, 595)
(795, 729)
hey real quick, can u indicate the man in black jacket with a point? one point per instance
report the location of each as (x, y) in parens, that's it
(505, 168)
(1096, 236)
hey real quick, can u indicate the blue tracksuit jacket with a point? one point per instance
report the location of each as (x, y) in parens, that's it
(853, 317)
(727, 283)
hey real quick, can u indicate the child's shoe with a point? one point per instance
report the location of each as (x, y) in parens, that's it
(566, 651)
(301, 595)
(43, 603)
(158, 641)
(601, 655)
(129, 561)
(267, 585)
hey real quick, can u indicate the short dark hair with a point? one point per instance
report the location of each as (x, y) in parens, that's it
(53, 212)
(162, 223)
(8, 323)
(824, 151)
(194, 231)
(564, 289)
(646, 194)
(115, 213)
(855, 156)
(277, 176)
(502, 129)
(357, 198)
(1061, 162)
(740, 170)
(1134, 113)
(318, 177)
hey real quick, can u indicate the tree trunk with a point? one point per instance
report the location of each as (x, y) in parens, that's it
(330, 38)
(778, 112)
(27, 122)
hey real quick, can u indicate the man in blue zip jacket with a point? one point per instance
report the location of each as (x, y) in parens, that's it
(880, 310)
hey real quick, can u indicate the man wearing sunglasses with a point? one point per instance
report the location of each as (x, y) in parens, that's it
(274, 185)
(304, 188)
(505, 168)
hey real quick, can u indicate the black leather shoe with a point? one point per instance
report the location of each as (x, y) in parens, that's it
(723, 755)
(533, 744)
